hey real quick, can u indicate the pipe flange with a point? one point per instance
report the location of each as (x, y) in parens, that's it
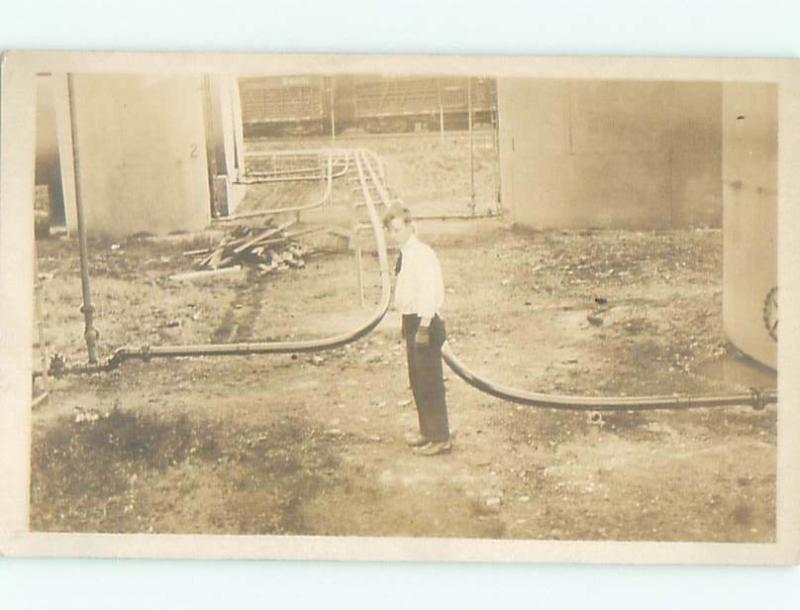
(58, 365)
(757, 399)
(116, 359)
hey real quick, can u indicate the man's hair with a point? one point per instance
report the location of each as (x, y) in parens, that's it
(397, 211)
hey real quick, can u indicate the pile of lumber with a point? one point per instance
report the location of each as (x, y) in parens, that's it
(269, 248)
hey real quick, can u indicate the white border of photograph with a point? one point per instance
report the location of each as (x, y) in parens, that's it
(16, 313)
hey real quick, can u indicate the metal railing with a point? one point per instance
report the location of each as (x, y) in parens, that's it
(327, 174)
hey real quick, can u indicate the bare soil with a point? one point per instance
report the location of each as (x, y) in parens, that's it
(301, 444)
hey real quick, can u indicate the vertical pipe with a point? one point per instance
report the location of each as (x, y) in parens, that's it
(235, 168)
(238, 125)
(39, 313)
(329, 185)
(211, 147)
(471, 148)
(225, 119)
(89, 334)
(333, 111)
(321, 165)
(65, 162)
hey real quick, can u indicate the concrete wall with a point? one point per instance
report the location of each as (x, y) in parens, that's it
(142, 153)
(228, 140)
(47, 160)
(610, 154)
(750, 174)
(223, 125)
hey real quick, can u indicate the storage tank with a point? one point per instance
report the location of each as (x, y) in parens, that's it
(750, 207)
(636, 155)
(142, 153)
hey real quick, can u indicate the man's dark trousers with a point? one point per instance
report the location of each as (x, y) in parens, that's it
(425, 374)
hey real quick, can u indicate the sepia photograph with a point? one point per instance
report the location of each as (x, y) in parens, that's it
(397, 301)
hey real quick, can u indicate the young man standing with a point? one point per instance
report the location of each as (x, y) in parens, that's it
(419, 293)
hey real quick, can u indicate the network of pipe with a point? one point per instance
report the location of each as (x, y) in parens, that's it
(332, 164)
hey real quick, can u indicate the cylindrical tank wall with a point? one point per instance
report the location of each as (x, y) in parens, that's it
(750, 174)
(610, 154)
(142, 153)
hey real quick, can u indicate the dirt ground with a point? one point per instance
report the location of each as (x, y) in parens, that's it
(302, 444)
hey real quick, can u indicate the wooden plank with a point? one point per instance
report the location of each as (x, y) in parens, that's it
(197, 252)
(39, 399)
(206, 273)
(264, 235)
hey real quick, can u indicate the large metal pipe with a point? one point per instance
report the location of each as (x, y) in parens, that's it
(89, 333)
(756, 398)
(483, 216)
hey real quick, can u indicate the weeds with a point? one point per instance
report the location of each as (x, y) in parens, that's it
(100, 475)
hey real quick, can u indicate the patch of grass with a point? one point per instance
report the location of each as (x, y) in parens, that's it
(101, 475)
(81, 472)
(272, 473)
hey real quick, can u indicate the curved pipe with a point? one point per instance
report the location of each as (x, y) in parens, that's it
(483, 216)
(333, 152)
(756, 398)
(282, 347)
(314, 154)
(298, 208)
(376, 175)
(271, 177)
(292, 152)
(315, 168)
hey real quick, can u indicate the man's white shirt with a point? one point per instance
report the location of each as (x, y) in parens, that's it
(419, 288)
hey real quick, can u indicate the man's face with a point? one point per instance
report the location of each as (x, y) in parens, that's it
(399, 231)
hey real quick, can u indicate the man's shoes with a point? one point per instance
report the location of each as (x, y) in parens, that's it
(416, 440)
(434, 448)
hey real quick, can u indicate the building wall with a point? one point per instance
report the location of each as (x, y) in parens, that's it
(610, 154)
(47, 160)
(142, 153)
(223, 124)
(228, 142)
(749, 171)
